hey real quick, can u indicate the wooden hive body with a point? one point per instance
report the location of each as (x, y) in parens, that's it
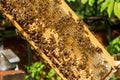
(60, 38)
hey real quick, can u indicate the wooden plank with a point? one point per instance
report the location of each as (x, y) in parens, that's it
(61, 39)
(12, 75)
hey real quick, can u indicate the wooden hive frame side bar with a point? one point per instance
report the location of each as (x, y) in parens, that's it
(18, 27)
(92, 38)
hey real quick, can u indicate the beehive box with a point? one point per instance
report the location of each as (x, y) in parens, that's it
(60, 38)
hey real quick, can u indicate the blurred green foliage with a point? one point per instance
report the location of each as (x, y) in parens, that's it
(40, 71)
(114, 46)
(87, 8)
(113, 78)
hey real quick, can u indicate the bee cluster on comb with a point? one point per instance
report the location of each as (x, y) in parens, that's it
(62, 39)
